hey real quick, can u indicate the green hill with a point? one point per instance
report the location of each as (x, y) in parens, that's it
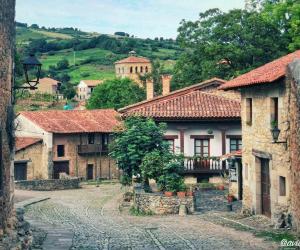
(89, 55)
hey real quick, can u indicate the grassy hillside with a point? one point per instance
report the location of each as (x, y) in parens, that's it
(89, 56)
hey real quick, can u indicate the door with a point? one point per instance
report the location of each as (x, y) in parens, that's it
(60, 167)
(20, 171)
(265, 187)
(240, 180)
(90, 172)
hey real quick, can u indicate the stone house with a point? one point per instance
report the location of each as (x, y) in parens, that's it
(85, 89)
(47, 86)
(7, 41)
(133, 67)
(266, 161)
(201, 121)
(74, 142)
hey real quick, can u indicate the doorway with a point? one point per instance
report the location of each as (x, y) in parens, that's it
(240, 179)
(265, 187)
(20, 171)
(90, 172)
(60, 167)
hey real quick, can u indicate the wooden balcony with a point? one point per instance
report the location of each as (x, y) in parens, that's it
(92, 149)
(203, 165)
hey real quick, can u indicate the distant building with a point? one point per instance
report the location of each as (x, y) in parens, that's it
(133, 67)
(73, 142)
(47, 86)
(85, 88)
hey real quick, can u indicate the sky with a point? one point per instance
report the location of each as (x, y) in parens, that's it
(142, 18)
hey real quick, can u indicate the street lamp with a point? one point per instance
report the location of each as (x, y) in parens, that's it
(275, 135)
(32, 67)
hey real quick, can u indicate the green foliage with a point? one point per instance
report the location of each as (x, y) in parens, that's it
(116, 93)
(137, 212)
(63, 64)
(68, 90)
(247, 39)
(137, 138)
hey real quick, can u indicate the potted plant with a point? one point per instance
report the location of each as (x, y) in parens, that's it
(221, 187)
(181, 190)
(168, 193)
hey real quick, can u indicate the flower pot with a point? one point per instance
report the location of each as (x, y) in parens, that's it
(221, 187)
(189, 193)
(181, 194)
(230, 198)
(168, 193)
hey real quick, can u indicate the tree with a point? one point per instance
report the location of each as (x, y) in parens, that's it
(68, 90)
(132, 143)
(116, 93)
(62, 64)
(245, 38)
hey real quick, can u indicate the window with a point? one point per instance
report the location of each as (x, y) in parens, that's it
(136, 69)
(282, 186)
(92, 89)
(146, 69)
(201, 147)
(123, 70)
(142, 69)
(119, 70)
(91, 138)
(171, 145)
(105, 141)
(274, 112)
(249, 111)
(235, 144)
(60, 150)
(131, 69)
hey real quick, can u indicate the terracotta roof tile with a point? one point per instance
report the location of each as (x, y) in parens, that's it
(92, 83)
(267, 73)
(24, 142)
(74, 121)
(237, 153)
(134, 59)
(191, 105)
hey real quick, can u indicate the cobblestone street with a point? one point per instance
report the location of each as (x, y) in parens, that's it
(89, 218)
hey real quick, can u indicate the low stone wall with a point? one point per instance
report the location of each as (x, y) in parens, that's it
(159, 204)
(48, 185)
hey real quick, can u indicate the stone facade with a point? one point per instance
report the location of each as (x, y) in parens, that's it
(161, 205)
(48, 185)
(7, 38)
(258, 148)
(293, 79)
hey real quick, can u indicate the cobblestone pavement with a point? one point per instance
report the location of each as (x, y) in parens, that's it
(89, 218)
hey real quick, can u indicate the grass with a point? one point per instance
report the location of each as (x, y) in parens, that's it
(276, 236)
(52, 34)
(80, 56)
(136, 212)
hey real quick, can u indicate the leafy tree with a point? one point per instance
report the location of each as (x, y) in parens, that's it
(62, 64)
(245, 39)
(116, 94)
(134, 141)
(68, 90)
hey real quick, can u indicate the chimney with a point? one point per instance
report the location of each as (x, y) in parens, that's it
(149, 89)
(166, 84)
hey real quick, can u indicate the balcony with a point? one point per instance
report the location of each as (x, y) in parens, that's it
(203, 165)
(92, 149)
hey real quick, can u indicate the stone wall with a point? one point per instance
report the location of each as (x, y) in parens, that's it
(48, 185)
(7, 39)
(293, 79)
(161, 205)
(257, 145)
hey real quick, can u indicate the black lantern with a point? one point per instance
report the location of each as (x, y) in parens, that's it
(275, 134)
(32, 68)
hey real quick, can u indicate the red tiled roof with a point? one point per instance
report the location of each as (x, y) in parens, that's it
(237, 153)
(134, 59)
(92, 83)
(74, 121)
(192, 105)
(24, 142)
(267, 73)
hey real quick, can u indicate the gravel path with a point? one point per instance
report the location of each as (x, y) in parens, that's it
(89, 218)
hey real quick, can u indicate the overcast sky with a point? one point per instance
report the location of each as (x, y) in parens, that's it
(142, 18)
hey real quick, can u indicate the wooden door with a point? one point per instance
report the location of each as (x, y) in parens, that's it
(60, 167)
(20, 171)
(265, 187)
(240, 180)
(90, 172)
